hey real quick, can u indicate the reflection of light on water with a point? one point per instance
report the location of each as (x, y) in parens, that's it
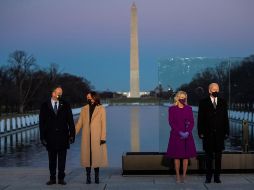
(135, 140)
(20, 139)
(1, 145)
(235, 142)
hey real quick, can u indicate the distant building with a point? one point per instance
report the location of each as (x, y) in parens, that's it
(128, 94)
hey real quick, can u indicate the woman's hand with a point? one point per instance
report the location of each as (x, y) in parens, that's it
(184, 135)
(102, 142)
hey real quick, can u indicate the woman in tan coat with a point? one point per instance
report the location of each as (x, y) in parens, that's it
(92, 120)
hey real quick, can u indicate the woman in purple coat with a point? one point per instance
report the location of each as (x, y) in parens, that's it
(181, 144)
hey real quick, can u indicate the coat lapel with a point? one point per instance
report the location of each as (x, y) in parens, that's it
(86, 113)
(50, 107)
(60, 106)
(209, 102)
(218, 103)
(95, 112)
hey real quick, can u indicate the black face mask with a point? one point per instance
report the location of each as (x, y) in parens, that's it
(89, 101)
(182, 101)
(215, 94)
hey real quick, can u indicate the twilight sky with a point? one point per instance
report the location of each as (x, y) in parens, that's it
(91, 38)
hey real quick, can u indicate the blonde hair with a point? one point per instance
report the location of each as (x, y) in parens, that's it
(177, 97)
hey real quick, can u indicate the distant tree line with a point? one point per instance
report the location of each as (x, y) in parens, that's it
(24, 85)
(236, 83)
(161, 93)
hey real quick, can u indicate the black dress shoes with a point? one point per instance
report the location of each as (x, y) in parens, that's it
(61, 182)
(208, 181)
(97, 180)
(51, 182)
(217, 180)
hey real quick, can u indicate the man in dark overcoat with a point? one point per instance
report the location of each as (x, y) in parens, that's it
(57, 132)
(213, 129)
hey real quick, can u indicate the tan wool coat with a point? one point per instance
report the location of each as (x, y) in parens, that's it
(97, 127)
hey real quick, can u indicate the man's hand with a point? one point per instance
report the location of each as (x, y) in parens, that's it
(44, 142)
(71, 140)
(201, 136)
(102, 142)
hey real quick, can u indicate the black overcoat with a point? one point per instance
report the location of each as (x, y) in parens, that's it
(213, 124)
(56, 129)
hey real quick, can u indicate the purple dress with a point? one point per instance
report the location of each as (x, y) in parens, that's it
(181, 119)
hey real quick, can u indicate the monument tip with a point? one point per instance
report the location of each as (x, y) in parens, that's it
(133, 5)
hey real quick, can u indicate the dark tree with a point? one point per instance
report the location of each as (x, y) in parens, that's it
(236, 80)
(24, 86)
(22, 67)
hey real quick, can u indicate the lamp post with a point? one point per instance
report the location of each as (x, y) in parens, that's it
(170, 92)
(229, 82)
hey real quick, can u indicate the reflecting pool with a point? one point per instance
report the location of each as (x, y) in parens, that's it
(129, 129)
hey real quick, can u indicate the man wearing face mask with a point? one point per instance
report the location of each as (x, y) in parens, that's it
(57, 132)
(213, 129)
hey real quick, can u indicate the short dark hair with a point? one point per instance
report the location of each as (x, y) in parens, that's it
(55, 87)
(96, 97)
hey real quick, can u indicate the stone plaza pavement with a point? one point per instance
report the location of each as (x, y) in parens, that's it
(28, 178)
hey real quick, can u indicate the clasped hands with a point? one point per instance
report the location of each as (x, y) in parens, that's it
(102, 142)
(184, 135)
(71, 140)
(44, 142)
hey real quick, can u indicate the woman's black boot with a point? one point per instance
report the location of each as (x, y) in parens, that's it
(88, 175)
(96, 171)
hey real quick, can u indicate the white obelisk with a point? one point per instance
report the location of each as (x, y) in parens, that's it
(134, 54)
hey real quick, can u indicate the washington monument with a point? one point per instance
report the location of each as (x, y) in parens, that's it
(134, 57)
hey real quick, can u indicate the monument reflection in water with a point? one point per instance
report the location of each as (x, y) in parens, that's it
(129, 129)
(135, 144)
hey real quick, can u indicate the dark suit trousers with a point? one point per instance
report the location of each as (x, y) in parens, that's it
(57, 157)
(210, 156)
